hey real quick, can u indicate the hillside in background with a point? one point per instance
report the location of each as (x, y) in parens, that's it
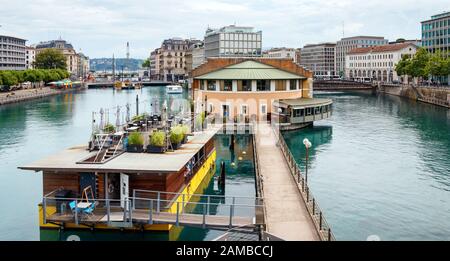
(105, 64)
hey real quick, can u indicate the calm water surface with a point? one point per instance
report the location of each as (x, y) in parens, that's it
(380, 166)
(35, 129)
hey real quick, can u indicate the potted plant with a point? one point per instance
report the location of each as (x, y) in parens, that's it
(185, 130)
(176, 136)
(109, 128)
(135, 143)
(157, 142)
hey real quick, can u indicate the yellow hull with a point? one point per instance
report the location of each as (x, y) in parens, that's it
(198, 182)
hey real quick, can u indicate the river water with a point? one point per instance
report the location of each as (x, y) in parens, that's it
(379, 167)
(35, 129)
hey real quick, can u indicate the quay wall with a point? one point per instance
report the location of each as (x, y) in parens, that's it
(30, 94)
(432, 95)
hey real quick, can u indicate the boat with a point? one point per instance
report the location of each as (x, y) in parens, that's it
(103, 186)
(174, 89)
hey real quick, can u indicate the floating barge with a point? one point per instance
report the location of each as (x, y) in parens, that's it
(127, 189)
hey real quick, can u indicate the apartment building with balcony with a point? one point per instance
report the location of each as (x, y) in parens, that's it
(12, 53)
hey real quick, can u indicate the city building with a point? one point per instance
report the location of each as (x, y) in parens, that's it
(377, 62)
(195, 56)
(168, 62)
(84, 66)
(347, 44)
(154, 64)
(436, 37)
(233, 41)
(436, 33)
(247, 87)
(283, 52)
(320, 59)
(72, 58)
(12, 53)
(30, 57)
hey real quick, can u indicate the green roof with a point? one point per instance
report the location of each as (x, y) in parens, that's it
(249, 70)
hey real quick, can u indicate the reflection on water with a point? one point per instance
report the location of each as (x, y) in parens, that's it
(385, 171)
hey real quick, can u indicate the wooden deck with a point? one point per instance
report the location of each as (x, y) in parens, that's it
(286, 214)
(143, 217)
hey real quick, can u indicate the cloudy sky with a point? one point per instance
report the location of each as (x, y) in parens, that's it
(102, 27)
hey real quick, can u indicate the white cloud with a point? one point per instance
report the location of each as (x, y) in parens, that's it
(102, 27)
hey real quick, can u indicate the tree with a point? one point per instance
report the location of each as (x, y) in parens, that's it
(436, 65)
(50, 59)
(146, 63)
(416, 67)
(9, 79)
(400, 67)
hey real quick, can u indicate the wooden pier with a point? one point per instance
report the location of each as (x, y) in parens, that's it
(287, 216)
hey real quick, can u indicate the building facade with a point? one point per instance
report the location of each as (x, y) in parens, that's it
(233, 41)
(168, 63)
(320, 59)
(436, 33)
(30, 57)
(378, 62)
(72, 58)
(283, 53)
(236, 87)
(84, 66)
(12, 53)
(347, 44)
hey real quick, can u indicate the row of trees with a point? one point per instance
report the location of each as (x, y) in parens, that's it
(12, 78)
(424, 65)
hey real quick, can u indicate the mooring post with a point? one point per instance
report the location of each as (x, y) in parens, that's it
(329, 234)
(314, 206)
(137, 104)
(232, 212)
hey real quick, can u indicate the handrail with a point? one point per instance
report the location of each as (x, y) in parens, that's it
(200, 195)
(117, 146)
(316, 214)
(101, 148)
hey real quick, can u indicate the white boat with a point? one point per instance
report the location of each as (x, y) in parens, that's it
(174, 89)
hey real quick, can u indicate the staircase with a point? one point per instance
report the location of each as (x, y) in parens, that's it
(112, 152)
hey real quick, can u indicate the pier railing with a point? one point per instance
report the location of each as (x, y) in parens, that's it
(154, 207)
(322, 226)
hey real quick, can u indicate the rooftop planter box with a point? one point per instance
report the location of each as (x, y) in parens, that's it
(157, 142)
(176, 136)
(135, 143)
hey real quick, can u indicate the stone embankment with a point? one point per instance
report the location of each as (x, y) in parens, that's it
(28, 94)
(432, 95)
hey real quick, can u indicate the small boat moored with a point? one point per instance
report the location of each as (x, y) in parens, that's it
(174, 89)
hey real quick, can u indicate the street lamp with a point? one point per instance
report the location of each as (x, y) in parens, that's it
(308, 145)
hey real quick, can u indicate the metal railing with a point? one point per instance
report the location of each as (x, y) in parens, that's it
(322, 226)
(150, 207)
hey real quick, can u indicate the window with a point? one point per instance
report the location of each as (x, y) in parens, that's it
(211, 85)
(298, 113)
(280, 85)
(263, 85)
(226, 85)
(245, 86)
(308, 111)
(244, 109)
(293, 84)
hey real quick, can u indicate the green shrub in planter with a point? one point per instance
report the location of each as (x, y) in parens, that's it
(185, 129)
(176, 136)
(157, 142)
(109, 128)
(135, 142)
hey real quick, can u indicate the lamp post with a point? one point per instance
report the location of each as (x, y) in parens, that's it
(308, 145)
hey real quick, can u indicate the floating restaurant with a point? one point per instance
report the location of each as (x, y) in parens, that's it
(244, 89)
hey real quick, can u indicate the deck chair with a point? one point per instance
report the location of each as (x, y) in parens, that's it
(88, 197)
